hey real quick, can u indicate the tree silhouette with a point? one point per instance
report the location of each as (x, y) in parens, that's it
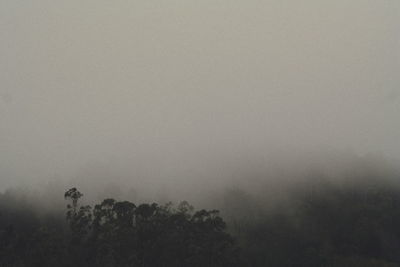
(119, 233)
(323, 225)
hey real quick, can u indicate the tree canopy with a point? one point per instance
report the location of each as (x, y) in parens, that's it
(120, 233)
(321, 224)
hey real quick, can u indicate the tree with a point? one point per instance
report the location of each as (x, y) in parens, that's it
(119, 233)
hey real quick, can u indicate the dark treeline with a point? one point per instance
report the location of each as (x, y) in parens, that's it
(321, 223)
(116, 233)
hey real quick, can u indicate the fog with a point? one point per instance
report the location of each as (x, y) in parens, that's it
(184, 97)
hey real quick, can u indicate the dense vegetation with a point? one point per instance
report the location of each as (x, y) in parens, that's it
(117, 234)
(325, 224)
(320, 224)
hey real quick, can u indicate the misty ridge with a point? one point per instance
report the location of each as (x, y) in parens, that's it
(199, 133)
(327, 212)
(266, 178)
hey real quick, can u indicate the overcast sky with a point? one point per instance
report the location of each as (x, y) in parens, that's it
(160, 87)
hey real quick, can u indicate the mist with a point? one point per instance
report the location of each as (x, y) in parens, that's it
(175, 95)
(283, 115)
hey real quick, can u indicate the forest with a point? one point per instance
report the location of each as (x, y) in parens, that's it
(199, 133)
(320, 223)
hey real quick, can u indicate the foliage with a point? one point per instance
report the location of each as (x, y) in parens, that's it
(321, 224)
(328, 224)
(119, 233)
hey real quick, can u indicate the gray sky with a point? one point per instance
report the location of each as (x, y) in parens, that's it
(164, 88)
